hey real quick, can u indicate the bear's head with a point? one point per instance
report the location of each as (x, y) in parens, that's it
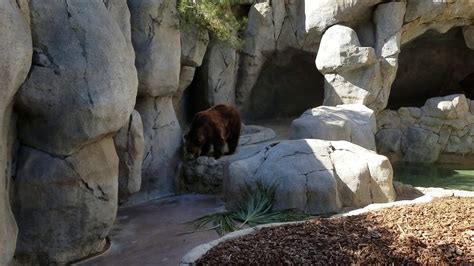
(192, 145)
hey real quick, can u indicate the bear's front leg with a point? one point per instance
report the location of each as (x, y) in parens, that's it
(205, 149)
(218, 147)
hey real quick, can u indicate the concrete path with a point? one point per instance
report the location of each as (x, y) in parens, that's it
(151, 234)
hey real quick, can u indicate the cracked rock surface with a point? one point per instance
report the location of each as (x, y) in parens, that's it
(80, 90)
(444, 126)
(65, 207)
(14, 66)
(314, 176)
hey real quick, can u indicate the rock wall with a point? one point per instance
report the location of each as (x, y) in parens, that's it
(157, 42)
(81, 89)
(443, 126)
(15, 60)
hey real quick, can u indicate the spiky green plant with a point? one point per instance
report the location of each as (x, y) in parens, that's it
(254, 208)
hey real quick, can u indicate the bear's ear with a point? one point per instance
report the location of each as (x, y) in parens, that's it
(185, 137)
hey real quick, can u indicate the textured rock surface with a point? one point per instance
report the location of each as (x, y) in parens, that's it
(351, 122)
(215, 79)
(315, 176)
(193, 45)
(320, 15)
(15, 60)
(442, 126)
(351, 72)
(163, 138)
(80, 93)
(423, 15)
(156, 39)
(81, 89)
(65, 207)
(363, 75)
(129, 144)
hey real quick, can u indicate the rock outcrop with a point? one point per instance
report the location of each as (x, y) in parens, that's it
(129, 144)
(80, 90)
(444, 125)
(313, 175)
(15, 59)
(357, 74)
(157, 42)
(351, 122)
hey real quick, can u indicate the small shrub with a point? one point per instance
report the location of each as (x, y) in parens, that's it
(216, 16)
(254, 208)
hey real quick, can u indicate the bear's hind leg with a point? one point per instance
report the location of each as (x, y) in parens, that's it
(232, 142)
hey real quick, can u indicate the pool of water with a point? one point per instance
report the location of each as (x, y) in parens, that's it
(449, 176)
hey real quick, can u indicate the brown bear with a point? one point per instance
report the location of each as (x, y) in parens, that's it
(215, 126)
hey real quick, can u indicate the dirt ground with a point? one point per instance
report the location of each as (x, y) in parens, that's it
(440, 232)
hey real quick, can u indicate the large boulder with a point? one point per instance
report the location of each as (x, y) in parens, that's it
(129, 144)
(15, 60)
(65, 206)
(351, 72)
(352, 122)
(80, 90)
(81, 93)
(314, 176)
(357, 74)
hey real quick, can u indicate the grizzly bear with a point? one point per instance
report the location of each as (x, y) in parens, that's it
(216, 126)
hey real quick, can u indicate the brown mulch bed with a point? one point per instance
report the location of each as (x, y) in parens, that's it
(439, 232)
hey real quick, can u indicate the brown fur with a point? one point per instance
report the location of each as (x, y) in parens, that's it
(215, 126)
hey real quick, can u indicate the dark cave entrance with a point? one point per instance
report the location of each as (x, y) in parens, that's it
(432, 65)
(286, 88)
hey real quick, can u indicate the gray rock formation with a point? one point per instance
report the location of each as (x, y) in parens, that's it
(80, 90)
(363, 75)
(423, 15)
(163, 138)
(94, 78)
(215, 79)
(156, 39)
(157, 42)
(15, 60)
(66, 206)
(314, 176)
(351, 122)
(130, 146)
(440, 128)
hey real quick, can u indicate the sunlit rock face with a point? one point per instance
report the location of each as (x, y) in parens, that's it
(313, 176)
(440, 128)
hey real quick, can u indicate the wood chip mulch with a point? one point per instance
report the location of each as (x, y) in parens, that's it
(439, 232)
